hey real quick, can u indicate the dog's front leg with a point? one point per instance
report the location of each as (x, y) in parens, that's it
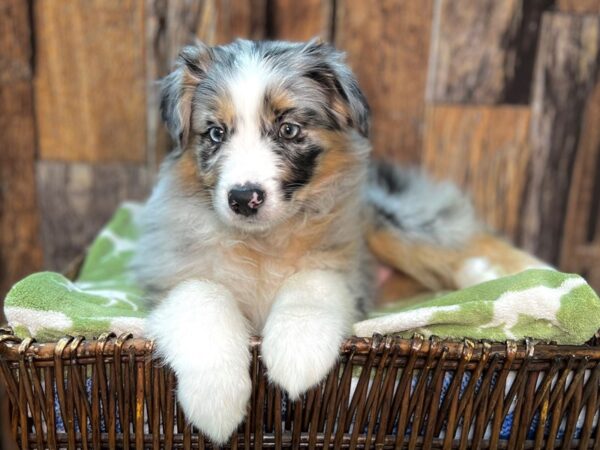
(312, 314)
(201, 334)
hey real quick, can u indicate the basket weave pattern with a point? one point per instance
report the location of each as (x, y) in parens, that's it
(384, 393)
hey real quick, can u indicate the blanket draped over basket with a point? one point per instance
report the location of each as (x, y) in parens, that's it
(542, 304)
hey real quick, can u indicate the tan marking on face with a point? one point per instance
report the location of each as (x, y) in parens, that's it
(188, 86)
(337, 160)
(191, 181)
(278, 100)
(225, 111)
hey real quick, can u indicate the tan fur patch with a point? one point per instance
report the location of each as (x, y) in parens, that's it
(190, 180)
(276, 101)
(338, 160)
(224, 111)
(441, 268)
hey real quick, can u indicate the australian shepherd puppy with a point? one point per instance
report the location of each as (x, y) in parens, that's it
(264, 220)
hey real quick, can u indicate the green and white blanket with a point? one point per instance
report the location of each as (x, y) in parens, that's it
(47, 305)
(538, 303)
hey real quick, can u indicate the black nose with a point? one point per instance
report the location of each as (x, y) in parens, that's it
(246, 200)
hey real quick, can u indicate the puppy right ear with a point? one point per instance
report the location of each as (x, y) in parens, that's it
(177, 90)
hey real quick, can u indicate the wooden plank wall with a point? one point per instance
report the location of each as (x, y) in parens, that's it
(502, 97)
(20, 251)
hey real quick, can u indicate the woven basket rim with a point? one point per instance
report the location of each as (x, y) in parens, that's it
(13, 348)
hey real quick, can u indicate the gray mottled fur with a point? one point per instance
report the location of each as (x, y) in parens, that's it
(418, 208)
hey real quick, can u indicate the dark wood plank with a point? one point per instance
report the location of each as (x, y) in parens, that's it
(483, 51)
(292, 20)
(235, 19)
(90, 86)
(388, 47)
(581, 236)
(77, 199)
(566, 72)
(15, 41)
(20, 251)
(483, 149)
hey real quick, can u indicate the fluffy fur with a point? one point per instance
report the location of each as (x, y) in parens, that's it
(289, 121)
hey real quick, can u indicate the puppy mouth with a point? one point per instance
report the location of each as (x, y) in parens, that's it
(252, 224)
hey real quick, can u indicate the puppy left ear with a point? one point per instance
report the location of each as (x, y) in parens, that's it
(328, 67)
(177, 90)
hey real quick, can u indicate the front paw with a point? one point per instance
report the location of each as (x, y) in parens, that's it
(201, 334)
(299, 355)
(304, 331)
(298, 360)
(215, 402)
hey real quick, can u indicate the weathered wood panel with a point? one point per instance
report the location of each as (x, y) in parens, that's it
(388, 47)
(485, 150)
(15, 41)
(581, 244)
(579, 6)
(90, 85)
(483, 51)
(77, 199)
(294, 20)
(20, 251)
(234, 19)
(566, 71)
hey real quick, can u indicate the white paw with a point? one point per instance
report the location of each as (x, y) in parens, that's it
(201, 334)
(304, 331)
(215, 401)
(297, 362)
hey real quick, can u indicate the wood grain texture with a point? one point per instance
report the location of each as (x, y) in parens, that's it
(581, 236)
(483, 51)
(90, 83)
(234, 19)
(566, 72)
(15, 41)
(77, 199)
(388, 46)
(484, 150)
(294, 20)
(20, 251)
(579, 6)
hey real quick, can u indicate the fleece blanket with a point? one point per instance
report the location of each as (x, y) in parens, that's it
(542, 304)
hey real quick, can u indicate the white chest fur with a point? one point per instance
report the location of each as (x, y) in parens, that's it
(184, 240)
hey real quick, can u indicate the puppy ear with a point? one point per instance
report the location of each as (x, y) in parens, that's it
(327, 66)
(177, 90)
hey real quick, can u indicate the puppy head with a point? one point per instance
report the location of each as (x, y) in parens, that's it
(272, 127)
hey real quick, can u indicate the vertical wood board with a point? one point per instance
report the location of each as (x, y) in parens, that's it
(388, 46)
(485, 151)
(90, 84)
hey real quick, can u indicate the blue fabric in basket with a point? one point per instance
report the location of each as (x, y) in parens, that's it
(505, 431)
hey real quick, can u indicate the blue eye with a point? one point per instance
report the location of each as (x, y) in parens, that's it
(216, 134)
(289, 130)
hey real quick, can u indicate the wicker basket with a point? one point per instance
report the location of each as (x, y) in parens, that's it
(385, 393)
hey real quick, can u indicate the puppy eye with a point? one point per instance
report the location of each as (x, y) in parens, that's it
(289, 130)
(216, 134)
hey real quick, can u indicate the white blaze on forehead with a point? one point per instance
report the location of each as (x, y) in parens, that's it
(247, 88)
(250, 157)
